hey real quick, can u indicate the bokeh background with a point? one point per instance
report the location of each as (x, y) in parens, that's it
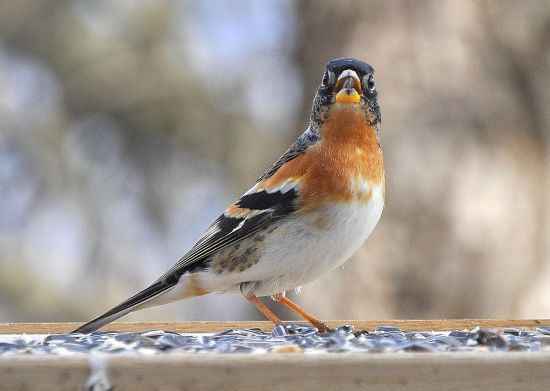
(127, 126)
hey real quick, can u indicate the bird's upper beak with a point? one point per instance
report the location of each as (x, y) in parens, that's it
(348, 87)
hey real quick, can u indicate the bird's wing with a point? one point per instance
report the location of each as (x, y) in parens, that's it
(253, 211)
(261, 206)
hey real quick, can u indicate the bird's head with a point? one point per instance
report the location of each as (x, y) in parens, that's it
(350, 82)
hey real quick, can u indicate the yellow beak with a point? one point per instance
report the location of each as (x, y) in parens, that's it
(348, 87)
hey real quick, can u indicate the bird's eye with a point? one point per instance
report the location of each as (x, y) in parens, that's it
(328, 78)
(370, 83)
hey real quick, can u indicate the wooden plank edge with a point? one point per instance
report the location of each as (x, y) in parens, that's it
(275, 358)
(353, 371)
(209, 327)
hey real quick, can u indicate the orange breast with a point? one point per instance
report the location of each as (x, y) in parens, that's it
(342, 165)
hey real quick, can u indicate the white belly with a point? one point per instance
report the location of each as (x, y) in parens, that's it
(300, 250)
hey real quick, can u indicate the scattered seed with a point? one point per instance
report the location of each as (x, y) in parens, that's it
(290, 338)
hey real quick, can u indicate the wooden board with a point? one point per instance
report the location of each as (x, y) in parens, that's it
(276, 371)
(281, 372)
(209, 327)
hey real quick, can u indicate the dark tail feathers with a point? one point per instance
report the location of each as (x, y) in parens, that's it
(124, 307)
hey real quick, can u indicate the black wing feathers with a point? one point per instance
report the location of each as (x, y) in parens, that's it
(228, 230)
(263, 200)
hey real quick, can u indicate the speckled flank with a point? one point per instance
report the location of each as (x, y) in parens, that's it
(241, 255)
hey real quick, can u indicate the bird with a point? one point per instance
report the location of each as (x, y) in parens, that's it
(306, 215)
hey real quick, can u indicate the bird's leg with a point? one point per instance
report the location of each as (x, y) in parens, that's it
(264, 310)
(322, 327)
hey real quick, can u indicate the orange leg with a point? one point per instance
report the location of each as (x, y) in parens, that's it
(323, 328)
(264, 310)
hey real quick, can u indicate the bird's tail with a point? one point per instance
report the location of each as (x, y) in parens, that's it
(139, 300)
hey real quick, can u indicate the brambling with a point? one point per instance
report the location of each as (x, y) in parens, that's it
(304, 216)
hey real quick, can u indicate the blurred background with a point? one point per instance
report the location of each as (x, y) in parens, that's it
(127, 126)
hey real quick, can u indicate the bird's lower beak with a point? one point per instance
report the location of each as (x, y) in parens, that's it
(348, 87)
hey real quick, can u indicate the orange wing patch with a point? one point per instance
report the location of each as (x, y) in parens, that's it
(238, 212)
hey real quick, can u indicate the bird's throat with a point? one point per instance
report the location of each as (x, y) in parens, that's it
(349, 126)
